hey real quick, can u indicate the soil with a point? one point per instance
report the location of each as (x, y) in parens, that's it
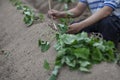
(21, 58)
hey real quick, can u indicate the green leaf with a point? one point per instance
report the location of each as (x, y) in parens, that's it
(70, 62)
(52, 77)
(109, 45)
(19, 7)
(57, 36)
(68, 39)
(41, 17)
(44, 45)
(46, 65)
(59, 45)
(82, 53)
(56, 69)
(84, 63)
(83, 69)
(83, 39)
(28, 20)
(99, 45)
(28, 13)
(96, 55)
(109, 56)
(62, 28)
(58, 61)
(26, 8)
(61, 53)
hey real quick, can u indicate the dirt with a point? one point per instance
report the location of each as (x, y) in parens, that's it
(21, 58)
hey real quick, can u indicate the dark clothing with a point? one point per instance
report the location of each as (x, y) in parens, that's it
(109, 27)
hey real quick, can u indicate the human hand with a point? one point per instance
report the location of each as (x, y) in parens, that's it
(75, 28)
(54, 14)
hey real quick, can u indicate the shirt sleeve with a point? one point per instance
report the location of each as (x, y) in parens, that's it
(112, 3)
(83, 1)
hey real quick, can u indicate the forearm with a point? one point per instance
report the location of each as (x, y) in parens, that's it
(75, 12)
(104, 12)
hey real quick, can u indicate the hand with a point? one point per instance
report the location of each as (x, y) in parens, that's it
(54, 14)
(75, 28)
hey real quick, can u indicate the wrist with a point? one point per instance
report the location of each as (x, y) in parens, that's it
(66, 14)
(81, 25)
(62, 14)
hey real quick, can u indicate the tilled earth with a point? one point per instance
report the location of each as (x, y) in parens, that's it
(20, 56)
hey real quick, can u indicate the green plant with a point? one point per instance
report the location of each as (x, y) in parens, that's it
(41, 17)
(46, 65)
(80, 52)
(44, 45)
(29, 16)
(64, 22)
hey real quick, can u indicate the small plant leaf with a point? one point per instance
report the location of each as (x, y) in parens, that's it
(62, 28)
(84, 63)
(83, 69)
(52, 77)
(82, 53)
(46, 65)
(44, 45)
(28, 20)
(96, 55)
(41, 17)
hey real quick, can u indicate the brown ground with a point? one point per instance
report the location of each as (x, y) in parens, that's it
(21, 59)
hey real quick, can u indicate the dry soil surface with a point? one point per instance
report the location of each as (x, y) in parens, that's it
(21, 58)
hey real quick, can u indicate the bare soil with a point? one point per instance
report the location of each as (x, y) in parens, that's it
(21, 58)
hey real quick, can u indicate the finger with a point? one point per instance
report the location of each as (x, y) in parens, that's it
(70, 31)
(51, 15)
(69, 27)
(49, 12)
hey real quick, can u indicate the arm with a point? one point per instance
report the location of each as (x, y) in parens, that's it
(77, 11)
(102, 13)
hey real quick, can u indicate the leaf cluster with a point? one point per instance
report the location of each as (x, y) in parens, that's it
(80, 52)
(29, 16)
(64, 22)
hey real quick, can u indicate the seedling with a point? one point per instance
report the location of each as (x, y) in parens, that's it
(29, 16)
(46, 65)
(62, 28)
(44, 45)
(41, 17)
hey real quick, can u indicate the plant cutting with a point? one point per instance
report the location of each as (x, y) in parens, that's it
(45, 45)
(80, 52)
(29, 16)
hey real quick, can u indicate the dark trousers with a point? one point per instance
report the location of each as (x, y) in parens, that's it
(109, 27)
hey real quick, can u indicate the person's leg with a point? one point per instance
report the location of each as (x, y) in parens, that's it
(109, 28)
